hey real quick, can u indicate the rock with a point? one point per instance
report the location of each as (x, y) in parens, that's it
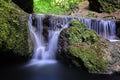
(13, 29)
(45, 22)
(84, 45)
(79, 45)
(63, 42)
(26, 5)
(112, 54)
(104, 5)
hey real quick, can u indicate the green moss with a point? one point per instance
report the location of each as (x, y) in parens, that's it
(84, 44)
(108, 6)
(13, 28)
(79, 33)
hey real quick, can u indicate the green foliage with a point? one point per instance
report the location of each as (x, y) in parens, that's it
(109, 8)
(13, 35)
(91, 15)
(89, 56)
(79, 33)
(54, 6)
(84, 44)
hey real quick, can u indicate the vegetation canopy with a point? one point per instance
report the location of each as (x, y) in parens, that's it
(54, 6)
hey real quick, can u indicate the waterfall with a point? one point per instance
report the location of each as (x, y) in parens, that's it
(45, 30)
(45, 47)
(106, 29)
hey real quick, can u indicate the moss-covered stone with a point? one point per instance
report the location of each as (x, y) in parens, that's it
(79, 33)
(104, 5)
(13, 29)
(84, 44)
(78, 46)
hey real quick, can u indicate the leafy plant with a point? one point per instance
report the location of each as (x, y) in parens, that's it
(54, 6)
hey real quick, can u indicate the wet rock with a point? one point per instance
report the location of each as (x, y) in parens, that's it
(112, 54)
(78, 44)
(63, 42)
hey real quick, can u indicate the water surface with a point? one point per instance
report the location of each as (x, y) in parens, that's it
(49, 71)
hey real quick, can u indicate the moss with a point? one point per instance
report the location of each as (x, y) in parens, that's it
(109, 8)
(84, 44)
(79, 33)
(104, 5)
(13, 28)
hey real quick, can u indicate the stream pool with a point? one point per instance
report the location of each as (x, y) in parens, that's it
(52, 71)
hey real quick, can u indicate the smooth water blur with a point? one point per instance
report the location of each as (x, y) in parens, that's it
(106, 29)
(56, 71)
(45, 47)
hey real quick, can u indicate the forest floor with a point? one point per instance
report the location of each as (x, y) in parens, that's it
(83, 10)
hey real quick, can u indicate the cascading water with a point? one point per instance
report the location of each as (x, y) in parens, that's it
(45, 48)
(106, 29)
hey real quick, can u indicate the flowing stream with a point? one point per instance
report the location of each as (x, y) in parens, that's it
(45, 35)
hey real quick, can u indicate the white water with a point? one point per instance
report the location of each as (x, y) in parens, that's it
(44, 50)
(106, 29)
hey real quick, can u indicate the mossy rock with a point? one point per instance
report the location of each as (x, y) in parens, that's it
(83, 48)
(84, 44)
(79, 33)
(13, 29)
(104, 5)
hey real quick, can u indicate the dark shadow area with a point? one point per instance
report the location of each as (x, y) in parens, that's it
(26, 5)
(118, 28)
(94, 7)
(71, 62)
(9, 58)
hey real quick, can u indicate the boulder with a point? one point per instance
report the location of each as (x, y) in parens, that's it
(13, 29)
(104, 5)
(112, 55)
(78, 45)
